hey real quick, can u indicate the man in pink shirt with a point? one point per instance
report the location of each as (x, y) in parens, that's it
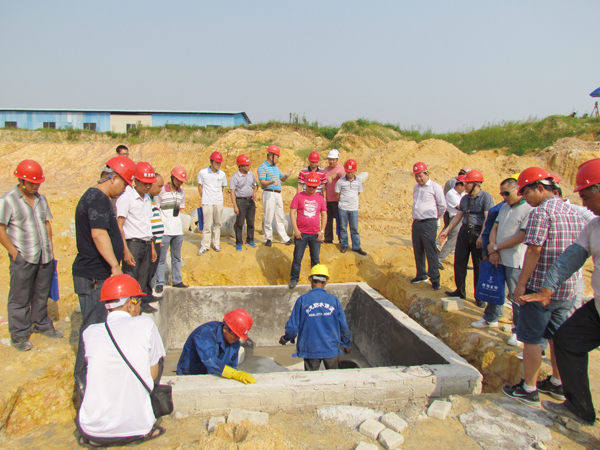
(308, 213)
(334, 172)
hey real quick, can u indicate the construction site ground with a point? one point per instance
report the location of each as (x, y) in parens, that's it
(36, 387)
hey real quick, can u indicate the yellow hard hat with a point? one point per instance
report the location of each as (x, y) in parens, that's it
(515, 176)
(319, 269)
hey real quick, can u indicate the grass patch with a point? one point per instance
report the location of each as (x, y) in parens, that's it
(304, 152)
(291, 181)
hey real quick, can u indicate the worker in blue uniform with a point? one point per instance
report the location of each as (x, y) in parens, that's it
(213, 348)
(319, 321)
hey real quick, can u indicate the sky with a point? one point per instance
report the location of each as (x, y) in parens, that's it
(439, 65)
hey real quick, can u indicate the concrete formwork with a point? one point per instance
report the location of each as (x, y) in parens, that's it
(413, 364)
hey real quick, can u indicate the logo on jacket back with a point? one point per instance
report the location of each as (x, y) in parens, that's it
(329, 310)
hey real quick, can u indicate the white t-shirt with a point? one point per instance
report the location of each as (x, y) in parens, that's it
(137, 211)
(168, 200)
(590, 240)
(115, 403)
(212, 186)
(452, 201)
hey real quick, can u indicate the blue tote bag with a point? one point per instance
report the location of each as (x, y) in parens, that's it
(491, 283)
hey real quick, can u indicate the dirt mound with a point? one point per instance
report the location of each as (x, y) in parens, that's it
(565, 155)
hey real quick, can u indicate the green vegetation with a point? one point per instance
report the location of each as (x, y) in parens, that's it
(291, 181)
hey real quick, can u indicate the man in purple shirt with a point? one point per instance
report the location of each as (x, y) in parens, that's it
(429, 205)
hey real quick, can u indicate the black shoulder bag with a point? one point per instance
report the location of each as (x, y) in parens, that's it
(162, 394)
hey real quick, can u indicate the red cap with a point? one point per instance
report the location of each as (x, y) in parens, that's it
(239, 321)
(273, 149)
(124, 166)
(179, 173)
(313, 179)
(531, 175)
(314, 157)
(474, 176)
(588, 174)
(30, 170)
(243, 160)
(350, 166)
(145, 172)
(216, 157)
(419, 167)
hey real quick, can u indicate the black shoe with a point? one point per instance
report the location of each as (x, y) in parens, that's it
(455, 294)
(562, 410)
(517, 391)
(480, 304)
(436, 286)
(360, 251)
(268, 243)
(344, 249)
(52, 333)
(293, 284)
(289, 242)
(158, 288)
(146, 308)
(21, 344)
(180, 285)
(441, 266)
(418, 280)
(547, 387)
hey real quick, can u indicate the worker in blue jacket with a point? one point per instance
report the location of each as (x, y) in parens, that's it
(213, 348)
(319, 321)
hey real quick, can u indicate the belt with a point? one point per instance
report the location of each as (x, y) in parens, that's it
(423, 220)
(271, 190)
(148, 242)
(243, 198)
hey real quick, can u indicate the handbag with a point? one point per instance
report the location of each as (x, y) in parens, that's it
(161, 396)
(491, 283)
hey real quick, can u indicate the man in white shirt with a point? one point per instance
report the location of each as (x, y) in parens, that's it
(211, 182)
(134, 216)
(116, 407)
(429, 205)
(453, 197)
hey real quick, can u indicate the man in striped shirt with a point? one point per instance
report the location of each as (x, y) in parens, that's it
(313, 166)
(158, 230)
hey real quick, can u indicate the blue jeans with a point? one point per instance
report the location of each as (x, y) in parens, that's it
(175, 242)
(349, 217)
(299, 248)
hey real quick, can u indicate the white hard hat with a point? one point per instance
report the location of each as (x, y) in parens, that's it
(334, 154)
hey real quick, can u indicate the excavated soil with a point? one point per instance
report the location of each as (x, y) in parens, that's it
(36, 387)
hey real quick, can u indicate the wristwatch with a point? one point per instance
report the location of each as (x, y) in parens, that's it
(495, 247)
(322, 231)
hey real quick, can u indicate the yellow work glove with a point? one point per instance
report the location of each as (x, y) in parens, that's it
(238, 375)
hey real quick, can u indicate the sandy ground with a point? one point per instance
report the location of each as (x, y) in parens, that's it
(36, 387)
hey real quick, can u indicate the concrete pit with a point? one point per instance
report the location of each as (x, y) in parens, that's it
(394, 360)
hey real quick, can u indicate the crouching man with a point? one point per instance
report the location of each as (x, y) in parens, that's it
(116, 407)
(213, 348)
(319, 321)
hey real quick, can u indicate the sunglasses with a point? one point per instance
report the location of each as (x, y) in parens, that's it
(507, 193)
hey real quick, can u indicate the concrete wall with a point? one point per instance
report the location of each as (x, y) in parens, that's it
(34, 120)
(118, 122)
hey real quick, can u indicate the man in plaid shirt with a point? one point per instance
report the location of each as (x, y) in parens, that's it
(552, 227)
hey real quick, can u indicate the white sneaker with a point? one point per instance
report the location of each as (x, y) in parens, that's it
(514, 341)
(202, 251)
(520, 355)
(482, 323)
(216, 249)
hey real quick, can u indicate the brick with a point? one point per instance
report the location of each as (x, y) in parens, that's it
(394, 422)
(371, 428)
(453, 304)
(277, 398)
(390, 439)
(439, 409)
(239, 415)
(338, 396)
(365, 446)
(369, 394)
(212, 423)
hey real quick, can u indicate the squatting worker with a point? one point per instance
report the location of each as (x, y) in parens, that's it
(270, 178)
(347, 191)
(158, 229)
(580, 334)
(171, 201)
(453, 197)
(213, 348)
(313, 166)
(308, 213)
(99, 247)
(472, 212)
(334, 172)
(319, 321)
(552, 227)
(26, 233)
(243, 188)
(211, 182)
(134, 216)
(429, 205)
(116, 408)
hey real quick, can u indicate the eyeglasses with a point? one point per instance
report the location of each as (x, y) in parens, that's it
(507, 193)
(135, 300)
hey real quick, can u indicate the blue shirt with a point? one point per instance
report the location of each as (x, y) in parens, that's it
(268, 172)
(475, 208)
(207, 352)
(489, 224)
(319, 321)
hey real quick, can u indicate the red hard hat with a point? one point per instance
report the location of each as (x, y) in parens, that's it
(531, 175)
(313, 179)
(555, 177)
(243, 160)
(123, 166)
(239, 321)
(216, 157)
(588, 174)
(31, 171)
(314, 157)
(145, 172)
(461, 178)
(350, 166)
(474, 176)
(179, 173)
(120, 286)
(419, 167)
(274, 149)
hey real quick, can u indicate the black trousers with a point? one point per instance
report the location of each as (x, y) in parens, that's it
(332, 213)
(424, 234)
(579, 335)
(311, 365)
(446, 219)
(152, 268)
(466, 245)
(142, 254)
(247, 209)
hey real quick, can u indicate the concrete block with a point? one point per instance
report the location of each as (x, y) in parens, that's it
(507, 328)
(212, 423)
(371, 428)
(394, 422)
(365, 446)
(439, 409)
(369, 394)
(390, 439)
(453, 304)
(255, 417)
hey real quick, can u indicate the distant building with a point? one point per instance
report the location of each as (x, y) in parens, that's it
(118, 121)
